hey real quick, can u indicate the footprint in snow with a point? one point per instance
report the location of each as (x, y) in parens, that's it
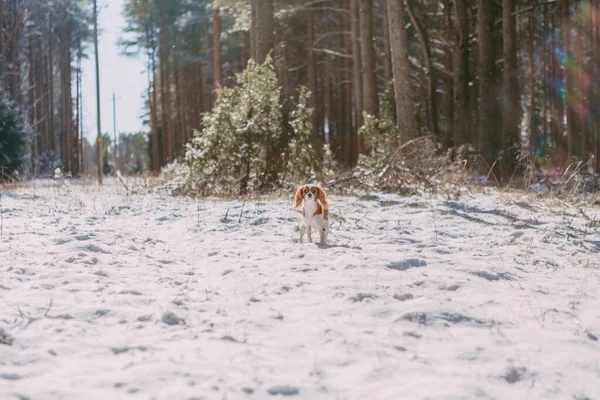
(492, 276)
(283, 390)
(407, 264)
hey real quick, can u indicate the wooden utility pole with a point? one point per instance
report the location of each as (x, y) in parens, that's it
(115, 133)
(99, 139)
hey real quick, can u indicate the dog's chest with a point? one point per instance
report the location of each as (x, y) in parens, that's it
(309, 214)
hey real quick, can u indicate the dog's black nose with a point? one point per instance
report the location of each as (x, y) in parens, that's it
(309, 194)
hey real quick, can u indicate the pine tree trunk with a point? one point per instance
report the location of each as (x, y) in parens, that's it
(449, 87)
(217, 68)
(402, 86)
(512, 105)
(77, 95)
(462, 117)
(546, 81)
(2, 49)
(580, 93)
(166, 86)
(357, 82)
(31, 94)
(98, 117)
(486, 78)
(327, 119)
(285, 64)
(40, 99)
(262, 23)
(51, 83)
(532, 111)
(595, 97)
(432, 111)
(80, 112)
(67, 105)
(156, 163)
(387, 53)
(253, 30)
(181, 130)
(15, 64)
(367, 53)
(558, 109)
(571, 151)
(312, 77)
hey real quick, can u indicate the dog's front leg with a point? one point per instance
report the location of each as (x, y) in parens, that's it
(309, 234)
(302, 232)
(323, 231)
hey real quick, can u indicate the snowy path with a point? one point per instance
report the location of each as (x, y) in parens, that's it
(109, 296)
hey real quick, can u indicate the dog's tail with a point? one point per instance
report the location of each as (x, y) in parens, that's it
(336, 218)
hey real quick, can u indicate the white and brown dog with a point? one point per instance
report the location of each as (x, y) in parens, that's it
(315, 212)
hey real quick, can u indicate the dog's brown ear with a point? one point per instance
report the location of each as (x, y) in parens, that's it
(298, 197)
(322, 198)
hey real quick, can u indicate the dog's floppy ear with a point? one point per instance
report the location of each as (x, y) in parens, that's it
(321, 198)
(298, 197)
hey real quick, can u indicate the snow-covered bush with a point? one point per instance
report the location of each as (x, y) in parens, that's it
(409, 167)
(253, 139)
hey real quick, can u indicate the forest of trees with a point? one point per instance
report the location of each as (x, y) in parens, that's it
(509, 77)
(42, 44)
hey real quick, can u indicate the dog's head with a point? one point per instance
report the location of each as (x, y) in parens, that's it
(310, 193)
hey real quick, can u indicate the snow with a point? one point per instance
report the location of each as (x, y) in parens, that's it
(112, 295)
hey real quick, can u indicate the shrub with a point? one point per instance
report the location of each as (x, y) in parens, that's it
(12, 134)
(252, 140)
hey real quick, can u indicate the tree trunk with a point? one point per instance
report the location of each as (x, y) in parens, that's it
(462, 116)
(253, 31)
(51, 82)
(449, 90)
(217, 68)
(357, 82)
(15, 64)
(31, 95)
(40, 98)
(80, 112)
(98, 119)
(262, 23)
(571, 151)
(351, 99)
(580, 91)
(387, 54)
(2, 50)
(284, 71)
(558, 107)
(367, 53)
(546, 82)
(153, 105)
(511, 98)
(595, 97)
(533, 140)
(77, 97)
(432, 112)
(402, 86)
(312, 76)
(486, 76)
(181, 131)
(166, 86)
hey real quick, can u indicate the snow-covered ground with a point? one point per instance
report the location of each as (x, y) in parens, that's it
(146, 296)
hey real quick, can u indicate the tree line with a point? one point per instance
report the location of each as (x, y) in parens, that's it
(42, 44)
(509, 78)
